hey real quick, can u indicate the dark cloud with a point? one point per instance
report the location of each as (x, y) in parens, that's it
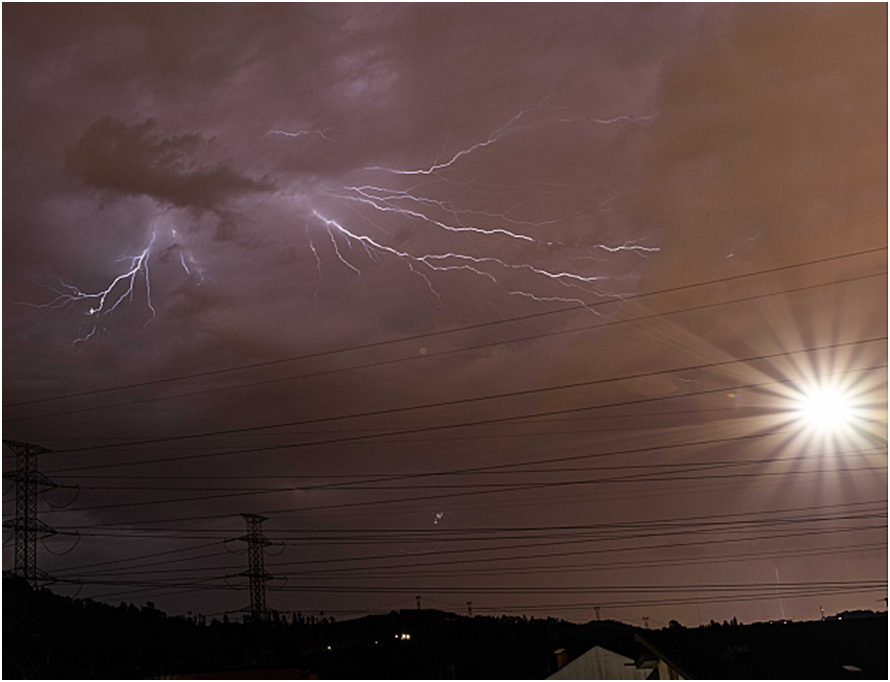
(138, 160)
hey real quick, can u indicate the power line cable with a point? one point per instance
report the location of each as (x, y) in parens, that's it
(393, 572)
(557, 539)
(598, 550)
(143, 556)
(459, 471)
(371, 429)
(360, 478)
(550, 543)
(572, 606)
(480, 325)
(492, 467)
(708, 518)
(489, 488)
(464, 401)
(413, 358)
(717, 591)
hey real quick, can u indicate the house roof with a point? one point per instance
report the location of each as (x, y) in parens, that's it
(833, 649)
(599, 663)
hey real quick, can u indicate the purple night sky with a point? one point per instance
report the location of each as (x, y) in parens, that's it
(427, 268)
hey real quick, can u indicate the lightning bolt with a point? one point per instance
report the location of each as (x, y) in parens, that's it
(487, 229)
(186, 259)
(498, 244)
(628, 246)
(317, 261)
(314, 253)
(505, 129)
(464, 262)
(300, 133)
(384, 205)
(630, 119)
(121, 288)
(106, 301)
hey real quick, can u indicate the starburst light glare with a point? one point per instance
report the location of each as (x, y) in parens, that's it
(826, 409)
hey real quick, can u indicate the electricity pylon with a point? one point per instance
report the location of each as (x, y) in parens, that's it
(27, 529)
(259, 649)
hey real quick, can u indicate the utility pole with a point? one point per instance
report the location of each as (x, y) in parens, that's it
(597, 611)
(418, 602)
(259, 649)
(646, 621)
(470, 609)
(27, 628)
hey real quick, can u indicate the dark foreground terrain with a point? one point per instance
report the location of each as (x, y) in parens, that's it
(50, 636)
(88, 639)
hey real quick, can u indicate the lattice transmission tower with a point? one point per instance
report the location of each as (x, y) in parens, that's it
(26, 630)
(259, 649)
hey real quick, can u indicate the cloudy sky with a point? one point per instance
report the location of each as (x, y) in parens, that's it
(365, 248)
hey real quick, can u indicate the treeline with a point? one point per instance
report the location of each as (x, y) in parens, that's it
(88, 639)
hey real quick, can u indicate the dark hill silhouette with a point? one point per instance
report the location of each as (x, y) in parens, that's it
(89, 639)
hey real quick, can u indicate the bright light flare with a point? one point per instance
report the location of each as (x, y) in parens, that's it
(826, 409)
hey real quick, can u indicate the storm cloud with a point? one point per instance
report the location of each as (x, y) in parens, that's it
(138, 160)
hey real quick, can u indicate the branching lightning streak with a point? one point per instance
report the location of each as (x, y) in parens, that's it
(429, 259)
(336, 247)
(494, 137)
(385, 205)
(107, 300)
(419, 204)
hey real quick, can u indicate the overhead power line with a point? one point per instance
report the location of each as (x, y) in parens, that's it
(471, 327)
(464, 401)
(487, 488)
(743, 518)
(711, 591)
(734, 409)
(770, 513)
(395, 572)
(363, 478)
(574, 605)
(145, 556)
(592, 536)
(430, 355)
(496, 420)
(550, 554)
(493, 467)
